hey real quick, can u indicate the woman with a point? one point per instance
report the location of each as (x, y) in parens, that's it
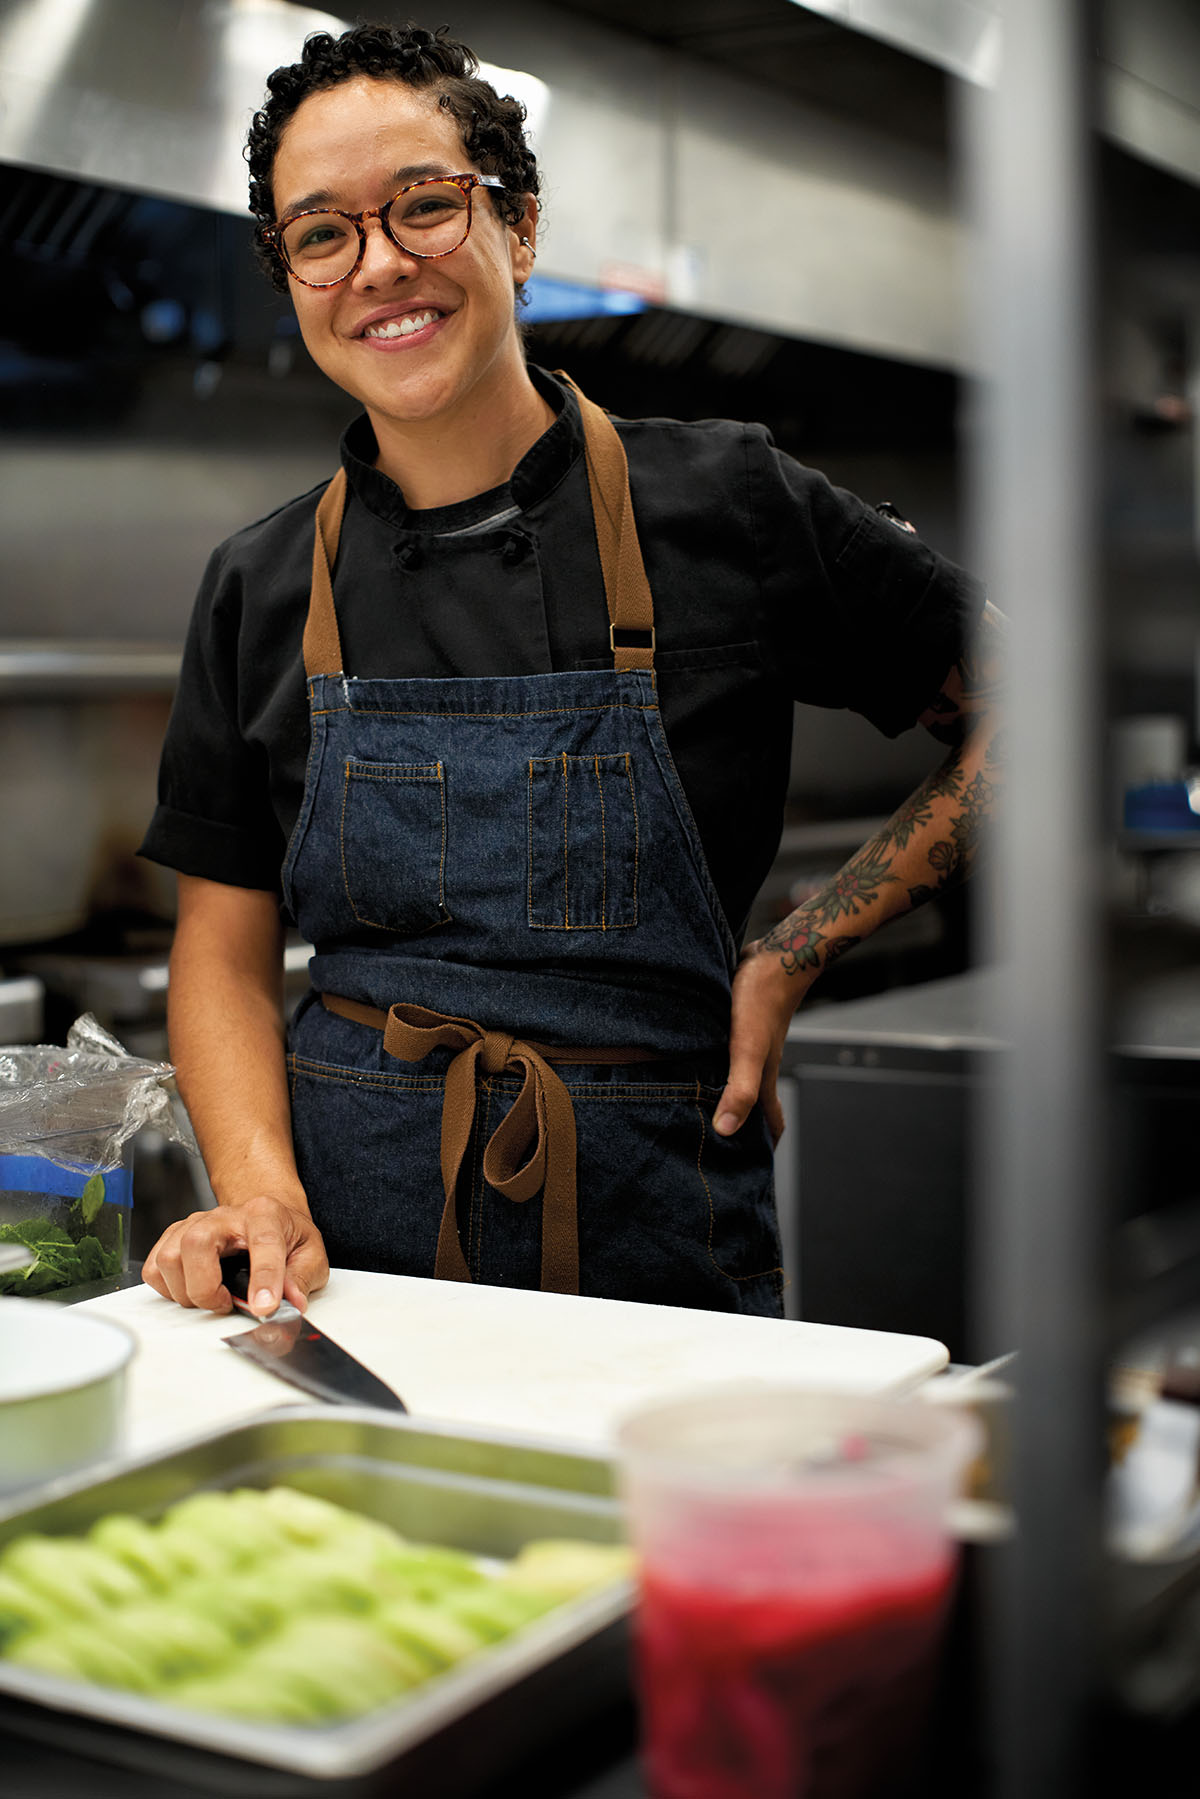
(535, 775)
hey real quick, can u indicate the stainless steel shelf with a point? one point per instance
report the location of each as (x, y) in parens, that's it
(36, 668)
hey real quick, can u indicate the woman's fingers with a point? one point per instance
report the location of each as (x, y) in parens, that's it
(287, 1256)
(764, 998)
(762, 1005)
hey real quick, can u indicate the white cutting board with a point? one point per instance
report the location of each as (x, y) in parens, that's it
(540, 1364)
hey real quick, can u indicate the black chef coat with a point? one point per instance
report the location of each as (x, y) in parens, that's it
(770, 585)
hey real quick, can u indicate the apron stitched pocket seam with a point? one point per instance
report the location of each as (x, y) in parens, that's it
(414, 775)
(366, 1077)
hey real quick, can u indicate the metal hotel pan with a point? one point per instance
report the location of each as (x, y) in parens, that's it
(487, 1494)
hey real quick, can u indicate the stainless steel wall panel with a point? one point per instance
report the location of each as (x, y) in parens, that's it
(852, 237)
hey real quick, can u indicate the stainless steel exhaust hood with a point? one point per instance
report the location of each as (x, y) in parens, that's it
(693, 119)
(155, 96)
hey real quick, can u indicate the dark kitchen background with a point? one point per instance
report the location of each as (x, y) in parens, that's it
(155, 396)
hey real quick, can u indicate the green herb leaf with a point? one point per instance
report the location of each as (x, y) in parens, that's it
(60, 1262)
(92, 1197)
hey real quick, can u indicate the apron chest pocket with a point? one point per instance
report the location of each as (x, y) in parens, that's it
(583, 843)
(394, 844)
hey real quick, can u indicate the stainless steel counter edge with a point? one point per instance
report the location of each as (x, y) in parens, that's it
(962, 1012)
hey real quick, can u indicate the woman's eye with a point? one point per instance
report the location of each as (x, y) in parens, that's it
(319, 234)
(431, 206)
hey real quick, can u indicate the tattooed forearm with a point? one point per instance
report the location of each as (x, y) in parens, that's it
(854, 887)
(918, 812)
(951, 857)
(801, 945)
(931, 840)
(913, 816)
(967, 825)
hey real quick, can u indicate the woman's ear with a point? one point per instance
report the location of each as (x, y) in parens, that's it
(524, 252)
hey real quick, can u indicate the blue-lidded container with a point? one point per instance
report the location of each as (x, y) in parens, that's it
(73, 1213)
(1163, 806)
(68, 1117)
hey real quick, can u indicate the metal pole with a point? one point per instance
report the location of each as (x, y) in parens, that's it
(1040, 1178)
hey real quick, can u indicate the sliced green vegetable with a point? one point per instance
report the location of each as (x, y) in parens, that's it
(21, 1608)
(497, 1611)
(88, 1652)
(566, 1567)
(436, 1636)
(138, 1544)
(269, 1605)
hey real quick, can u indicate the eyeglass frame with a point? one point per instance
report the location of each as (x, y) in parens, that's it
(273, 234)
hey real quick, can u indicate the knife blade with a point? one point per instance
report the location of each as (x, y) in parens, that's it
(288, 1345)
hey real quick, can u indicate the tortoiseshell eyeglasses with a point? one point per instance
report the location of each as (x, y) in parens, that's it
(427, 218)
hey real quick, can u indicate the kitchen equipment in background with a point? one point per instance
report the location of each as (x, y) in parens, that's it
(49, 807)
(984, 1513)
(21, 1008)
(62, 1390)
(1164, 806)
(289, 1345)
(485, 1493)
(1148, 749)
(883, 1092)
(1153, 1489)
(795, 1575)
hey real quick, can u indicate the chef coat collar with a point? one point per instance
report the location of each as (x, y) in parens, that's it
(538, 472)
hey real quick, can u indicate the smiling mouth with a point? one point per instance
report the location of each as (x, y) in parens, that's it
(403, 327)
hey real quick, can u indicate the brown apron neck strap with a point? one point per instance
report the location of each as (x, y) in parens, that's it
(626, 589)
(322, 645)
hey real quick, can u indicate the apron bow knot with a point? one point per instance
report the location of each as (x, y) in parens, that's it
(494, 1052)
(532, 1149)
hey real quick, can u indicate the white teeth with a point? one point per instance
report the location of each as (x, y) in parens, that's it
(413, 321)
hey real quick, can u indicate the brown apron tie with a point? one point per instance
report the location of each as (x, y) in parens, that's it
(626, 589)
(541, 1115)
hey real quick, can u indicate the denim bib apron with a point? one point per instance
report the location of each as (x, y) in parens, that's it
(518, 1030)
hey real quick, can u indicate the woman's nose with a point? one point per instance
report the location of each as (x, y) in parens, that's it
(382, 260)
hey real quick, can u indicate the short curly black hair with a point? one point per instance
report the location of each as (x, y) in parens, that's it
(492, 126)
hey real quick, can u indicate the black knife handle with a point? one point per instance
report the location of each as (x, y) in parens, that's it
(235, 1272)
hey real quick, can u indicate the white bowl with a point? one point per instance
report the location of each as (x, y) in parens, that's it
(62, 1389)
